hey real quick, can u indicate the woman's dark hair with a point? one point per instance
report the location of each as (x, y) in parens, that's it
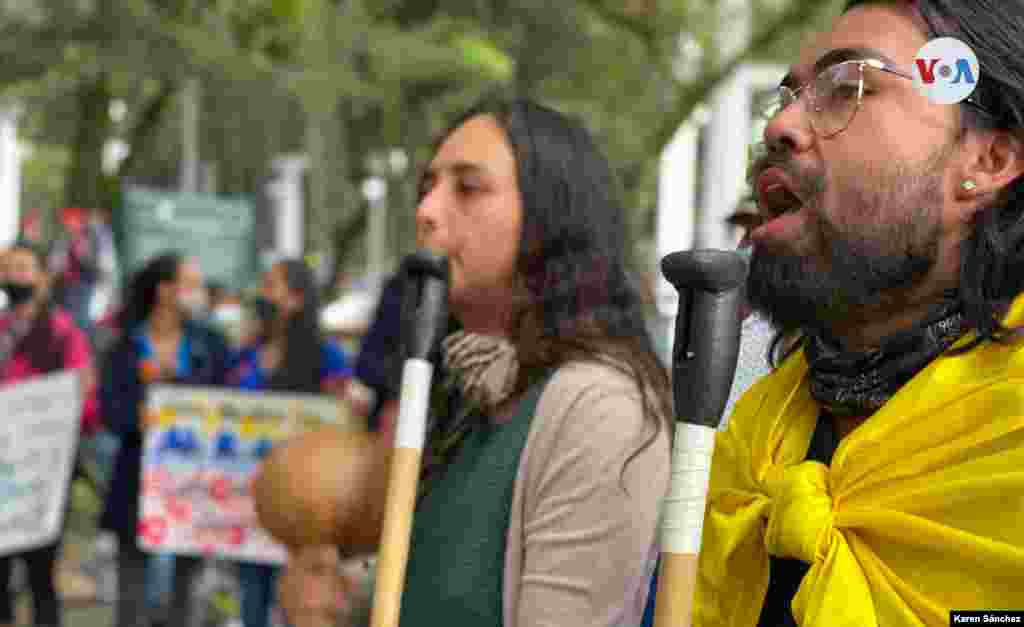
(577, 301)
(42, 346)
(300, 367)
(992, 256)
(144, 288)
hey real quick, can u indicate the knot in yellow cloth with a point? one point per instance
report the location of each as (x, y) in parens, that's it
(800, 514)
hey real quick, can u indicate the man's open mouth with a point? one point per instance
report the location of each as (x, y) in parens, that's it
(776, 194)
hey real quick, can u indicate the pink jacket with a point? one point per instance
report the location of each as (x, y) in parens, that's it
(76, 355)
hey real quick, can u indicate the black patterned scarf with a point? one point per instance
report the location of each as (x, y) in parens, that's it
(851, 383)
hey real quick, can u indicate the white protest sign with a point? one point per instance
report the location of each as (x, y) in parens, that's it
(38, 439)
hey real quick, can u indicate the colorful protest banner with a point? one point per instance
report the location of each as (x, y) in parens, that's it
(199, 457)
(38, 440)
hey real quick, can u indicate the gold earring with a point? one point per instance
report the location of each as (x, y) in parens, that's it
(969, 185)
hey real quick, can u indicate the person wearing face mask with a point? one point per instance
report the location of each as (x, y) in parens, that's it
(287, 353)
(194, 303)
(225, 312)
(37, 338)
(159, 342)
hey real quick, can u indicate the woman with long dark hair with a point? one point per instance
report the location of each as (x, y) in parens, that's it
(38, 338)
(544, 476)
(160, 343)
(289, 354)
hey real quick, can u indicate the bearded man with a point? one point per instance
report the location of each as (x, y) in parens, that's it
(876, 476)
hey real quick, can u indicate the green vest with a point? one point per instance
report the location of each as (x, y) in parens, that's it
(455, 575)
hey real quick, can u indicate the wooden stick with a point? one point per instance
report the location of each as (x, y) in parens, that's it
(395, 537)
(682, 524)
(676, 583)
(403, 486)
(704, 355)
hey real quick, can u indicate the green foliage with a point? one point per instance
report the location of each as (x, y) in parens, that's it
(346, 78)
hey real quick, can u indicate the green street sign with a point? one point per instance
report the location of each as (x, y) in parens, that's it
(218, 230)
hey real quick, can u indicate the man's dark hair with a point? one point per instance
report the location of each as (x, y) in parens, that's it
(992, 256)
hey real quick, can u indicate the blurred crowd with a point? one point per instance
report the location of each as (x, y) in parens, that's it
(66, 307)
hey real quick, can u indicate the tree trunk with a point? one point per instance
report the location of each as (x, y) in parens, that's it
(143, 134)
(402, 198)
(86, 185)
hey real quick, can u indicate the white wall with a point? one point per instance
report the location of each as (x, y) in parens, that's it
(10, 174)
(728, 127)
(286, 194)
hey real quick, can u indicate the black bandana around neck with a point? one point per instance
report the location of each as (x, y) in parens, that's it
(851, 383)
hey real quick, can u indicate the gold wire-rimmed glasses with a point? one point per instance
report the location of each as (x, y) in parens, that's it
(835, 95)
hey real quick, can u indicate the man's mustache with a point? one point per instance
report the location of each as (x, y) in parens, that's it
(810, 185)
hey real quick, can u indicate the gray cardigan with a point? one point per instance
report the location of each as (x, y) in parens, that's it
(582, 537)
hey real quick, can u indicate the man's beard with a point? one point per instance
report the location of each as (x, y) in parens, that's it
(842, 270)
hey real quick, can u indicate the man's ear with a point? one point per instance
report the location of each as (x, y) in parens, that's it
(995, 159)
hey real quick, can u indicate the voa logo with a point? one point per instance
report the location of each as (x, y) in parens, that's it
(946, 70)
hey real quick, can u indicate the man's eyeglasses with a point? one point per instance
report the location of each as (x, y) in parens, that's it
(835, 94)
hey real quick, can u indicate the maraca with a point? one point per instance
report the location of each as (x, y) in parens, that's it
(327, 486)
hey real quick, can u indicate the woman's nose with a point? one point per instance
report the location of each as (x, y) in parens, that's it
(430, 219)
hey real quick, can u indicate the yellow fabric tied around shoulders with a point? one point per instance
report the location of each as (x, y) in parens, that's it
(800, 514)
(920, 512)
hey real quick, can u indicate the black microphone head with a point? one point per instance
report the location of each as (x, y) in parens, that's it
(706, 270)
(424, 303)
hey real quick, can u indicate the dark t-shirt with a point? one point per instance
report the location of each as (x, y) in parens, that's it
(786, 573)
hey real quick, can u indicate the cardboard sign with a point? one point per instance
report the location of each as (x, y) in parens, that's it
(198, 461)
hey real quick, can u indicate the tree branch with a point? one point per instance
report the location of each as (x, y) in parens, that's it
(345, 235)
(144, 130)
(639, 28)
(690, 95)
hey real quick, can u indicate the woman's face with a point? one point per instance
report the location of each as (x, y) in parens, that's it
(186, 291)
(471, 210)
(276, 290)
(20, 266)
(23, 277)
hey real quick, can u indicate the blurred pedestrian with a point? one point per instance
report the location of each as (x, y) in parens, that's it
(37, 338)
(225, 311)
(74, 264)
(756, 333)
(289, 354)
(373, 390)
(159, 343)
(107, 289)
